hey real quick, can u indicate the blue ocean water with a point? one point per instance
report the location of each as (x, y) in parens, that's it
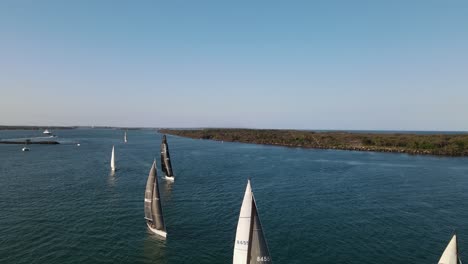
(60, 204)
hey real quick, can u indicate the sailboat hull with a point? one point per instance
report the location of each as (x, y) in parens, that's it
(167, 178)
(157, 232)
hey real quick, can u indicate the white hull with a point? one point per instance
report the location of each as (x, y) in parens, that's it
(157, 232)
(167, 178)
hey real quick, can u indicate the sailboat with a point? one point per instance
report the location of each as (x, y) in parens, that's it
(166, 160)
(25, 148)
(125, 137)
(112, 160)
(250, 245)
(153, 209)
(450, 255)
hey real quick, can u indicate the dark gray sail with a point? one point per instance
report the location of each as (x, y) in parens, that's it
(258, 249)
(153, 210)
(165, 158)
(149, 192)
(156, 209)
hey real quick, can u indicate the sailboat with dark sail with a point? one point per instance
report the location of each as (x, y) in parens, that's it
(153, 209)
(250, 246)
(166, 160)
(450, 255)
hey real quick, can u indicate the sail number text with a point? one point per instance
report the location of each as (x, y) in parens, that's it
(263, 258)
(242, 242)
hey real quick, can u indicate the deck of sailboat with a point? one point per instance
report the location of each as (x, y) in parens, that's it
(156, 231)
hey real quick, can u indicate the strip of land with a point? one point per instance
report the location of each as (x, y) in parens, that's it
(425, 144)
(27, 142)
(34, 127)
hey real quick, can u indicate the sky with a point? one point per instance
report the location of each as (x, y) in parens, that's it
(353, 65)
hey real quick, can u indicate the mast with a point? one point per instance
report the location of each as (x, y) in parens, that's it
(112, 160)
(458, 252)
(165, 158)
(250, 245)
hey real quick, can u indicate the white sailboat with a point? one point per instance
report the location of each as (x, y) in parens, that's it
(25, 148)
(250, 246)
(450, 255)
(125, 137)
(112, 160)
(153, 210)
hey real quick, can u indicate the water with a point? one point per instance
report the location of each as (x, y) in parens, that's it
(59, 204)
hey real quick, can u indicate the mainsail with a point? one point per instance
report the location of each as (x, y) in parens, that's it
(166, 159)
(153, 209)
(112, 160)
(125, 137)
(450, 255)
(250, 246)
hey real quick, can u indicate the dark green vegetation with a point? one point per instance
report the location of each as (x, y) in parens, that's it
(434, 144)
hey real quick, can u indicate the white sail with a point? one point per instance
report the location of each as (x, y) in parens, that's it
(450, 255)
(112, 160)
(250, 246)
(241, 244)
(125, 137)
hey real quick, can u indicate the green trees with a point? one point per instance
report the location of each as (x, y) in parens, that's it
(436, 144)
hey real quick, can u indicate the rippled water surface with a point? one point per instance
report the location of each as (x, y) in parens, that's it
(59, 203)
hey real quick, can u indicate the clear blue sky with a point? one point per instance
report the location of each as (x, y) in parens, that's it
(262, 64)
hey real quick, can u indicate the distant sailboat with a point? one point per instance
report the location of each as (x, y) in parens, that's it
(450, 255)
(250, 246)
(113, 160)
(153, 209)
(25, 148)
(125, 137)
(166, 160)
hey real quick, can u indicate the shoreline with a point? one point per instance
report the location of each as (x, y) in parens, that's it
(451, 145)
(26, 142)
